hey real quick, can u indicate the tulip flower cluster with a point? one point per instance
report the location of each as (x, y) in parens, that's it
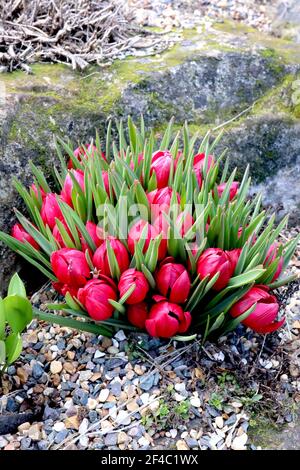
(153, 237)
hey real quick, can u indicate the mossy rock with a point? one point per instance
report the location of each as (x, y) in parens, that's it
(207, 78)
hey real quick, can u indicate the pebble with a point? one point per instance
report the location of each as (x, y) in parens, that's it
(55, 367)
(103, 396)
(61, 436)
(182, 445)
(3, 442)
(111, 439)
(239, 442)
(37, 370)
(120, 335)
(34, 432)
(195, 401)
(123, 418)
(59, 426)
(219, 422)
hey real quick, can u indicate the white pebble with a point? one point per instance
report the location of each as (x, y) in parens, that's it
(103, 396)
(120, 336)
(98, 354)
(59, 427)
(145, 398)
(123, 418)
(239, 442)
(195, 401)
(84, 426)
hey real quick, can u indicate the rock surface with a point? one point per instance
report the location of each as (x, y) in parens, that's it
(209, 77)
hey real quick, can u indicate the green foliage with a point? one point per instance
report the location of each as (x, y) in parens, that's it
(15, 315)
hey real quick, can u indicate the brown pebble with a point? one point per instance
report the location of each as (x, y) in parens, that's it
(72, 422)
(22, 374)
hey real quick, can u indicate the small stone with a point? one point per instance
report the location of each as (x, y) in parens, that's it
(145, 398)
(37, 370)
(23, 428)
(61, 436)
(239, 442)
(98, 354)
(72, 422)
(191, 442)
(147, 383)
(173, 433)
(111, 439)
(112, 350)
(50, 413)
(195, 401)
(132, 406)
(143, 441)
(34, 432)
(84, 441)
(55, 367)
(92, 404)
(22, 374)
(180, 387)
(25, 443)
(178, 397)
(120, 336)
(106, 342)
(182, 445)
(236, 404)
(123, 418)
(3, 442)
(103, 396)
(219, 422)
(122, 437)
(59, 426)
(115, 388)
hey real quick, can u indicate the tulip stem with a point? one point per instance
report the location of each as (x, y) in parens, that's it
(184, 338)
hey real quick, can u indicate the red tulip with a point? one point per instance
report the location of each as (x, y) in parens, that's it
(57, 235)
(95, 295)
(135, 233)
(140, 160)
(70, 267)
(233, 189)
(35, 190)
(137, 314)
(19, 233)
(97, 235)
(215, 260)
(253, 235)
(184, 222)
(271, 256)
(198, 165)
(167, 319)
(160, 200)
(66, 193)
(63, 289)
(80, 153)
(173, 282)
(161, 166)
(129, 277)
(51, 210)
(234, 256)
(262, 319)
(100, 258)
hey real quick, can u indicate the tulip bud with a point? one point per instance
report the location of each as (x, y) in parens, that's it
(262, 319)
(51, 210)
(184, 222)
(137, 314)
(35, 190)
(70, 267)
(167, 319)
(271, 256)
(198, 166)
(129, 277)
(233, 189)
(80, 154)
(135, 234)
(140, 160)
(161, 166)
(63, 289)
(97, 235)
(173, 282)
(215, 260)
(106, 182)
(66, 194)
(94, 297)
(234, 256)
(19, 233)
(100, 258)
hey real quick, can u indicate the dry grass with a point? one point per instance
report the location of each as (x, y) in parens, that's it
(76, 32)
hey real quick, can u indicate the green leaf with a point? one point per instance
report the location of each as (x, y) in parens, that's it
(119, 307)
(13, 345)
(127, 294)
(2, 353)
(2, 319)
(246, 278)
(18, 312)
(282, 281)
(16, 286)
